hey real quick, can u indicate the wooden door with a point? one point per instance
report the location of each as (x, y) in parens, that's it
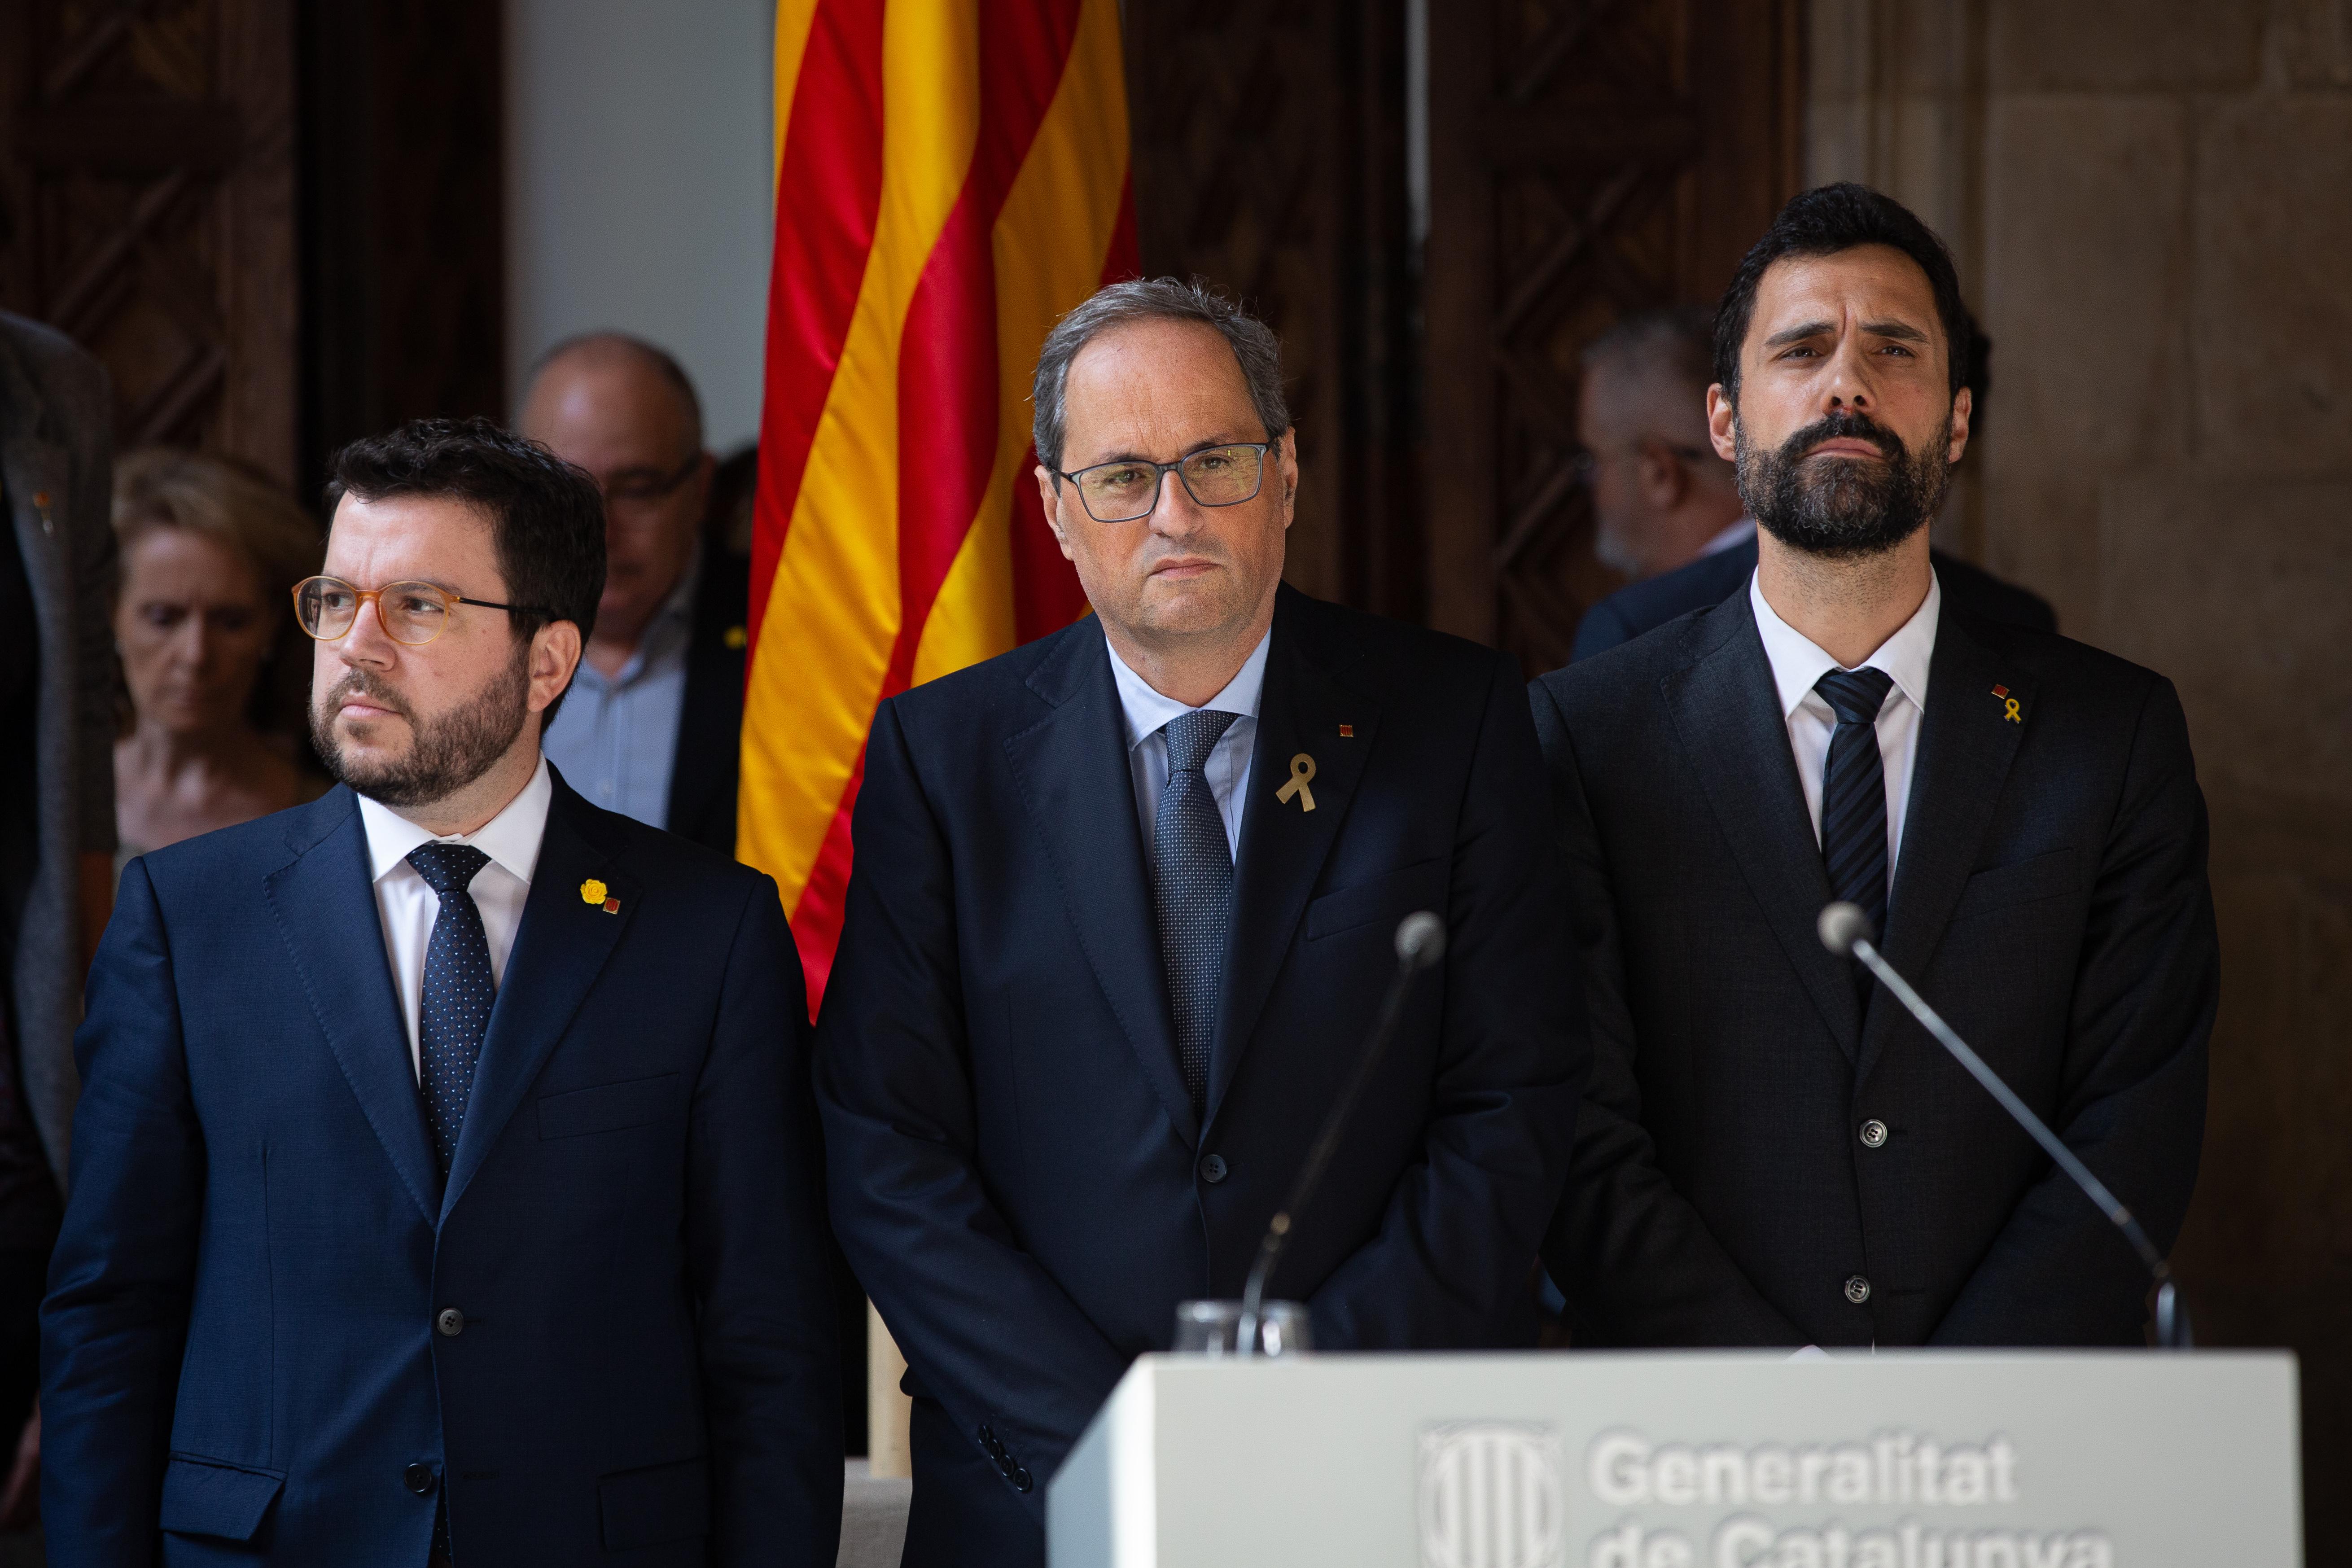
(147, 178)
(1587, 158)
(1269, 160)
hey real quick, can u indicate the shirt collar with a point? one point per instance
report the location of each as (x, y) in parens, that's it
(1146, 710)
(667, 633)
(511, 839)
(1797, 663)
(1737, 533)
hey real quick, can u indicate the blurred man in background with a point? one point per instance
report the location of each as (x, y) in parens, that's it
(57, 813)
(1661, 497)
(654, 721)
(1668, 509)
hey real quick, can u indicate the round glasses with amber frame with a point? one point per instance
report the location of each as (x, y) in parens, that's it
(411, 614)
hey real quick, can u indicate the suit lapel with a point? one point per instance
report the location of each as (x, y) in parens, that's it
(1966, 745)
(559, 948)
(1072, 770)
(1284, 846)
(324, 903)
(1726, 713)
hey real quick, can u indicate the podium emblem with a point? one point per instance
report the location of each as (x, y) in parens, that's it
(1491, 1496)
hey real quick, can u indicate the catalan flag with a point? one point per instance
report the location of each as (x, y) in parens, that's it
(951, 178)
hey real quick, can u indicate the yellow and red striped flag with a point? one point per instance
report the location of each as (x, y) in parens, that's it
(952, 176)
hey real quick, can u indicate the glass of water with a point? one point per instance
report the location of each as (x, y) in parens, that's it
(1214, 1329)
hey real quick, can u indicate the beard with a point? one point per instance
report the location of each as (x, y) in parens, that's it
(1841, 509)
(445, 752)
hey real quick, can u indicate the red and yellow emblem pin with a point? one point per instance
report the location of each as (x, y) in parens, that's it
(2009, 711)
(593, 891)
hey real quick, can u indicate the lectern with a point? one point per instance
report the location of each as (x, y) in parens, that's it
(1702, 1460)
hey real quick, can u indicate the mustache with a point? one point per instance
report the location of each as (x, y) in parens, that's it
(1844, 427)
(359, 682)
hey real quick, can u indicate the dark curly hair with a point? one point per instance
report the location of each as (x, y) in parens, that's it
(547, 517)
(1825, 221)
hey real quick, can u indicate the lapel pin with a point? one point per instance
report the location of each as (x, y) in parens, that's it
(2008, 713)
(737, 639)
(1347, 731)
(592, 891)
(612, 905)
(41, 505)
(1302, 774)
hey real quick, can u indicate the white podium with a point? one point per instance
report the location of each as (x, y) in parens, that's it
(1597, 1461)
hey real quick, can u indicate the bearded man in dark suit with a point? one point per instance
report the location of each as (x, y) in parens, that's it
(1771, 1152)
(446, 1186)
(1124, 906)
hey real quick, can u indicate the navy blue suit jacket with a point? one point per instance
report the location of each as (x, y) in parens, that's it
(1702, 584)
(241, 1361)
(2049, 900)
(1016, 1168)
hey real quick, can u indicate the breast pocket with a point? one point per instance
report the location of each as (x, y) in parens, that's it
(2050, 875)
(608, 1106)
(1383, 900)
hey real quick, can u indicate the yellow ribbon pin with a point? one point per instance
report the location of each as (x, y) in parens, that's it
(1302, 774)
(2011, 714)
(592, 891)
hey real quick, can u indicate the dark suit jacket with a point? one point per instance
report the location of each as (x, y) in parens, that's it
(1708, 581)
(1017, 1170)
(709, 760)
(2049, 900)
(239, 1345)
(56, 778)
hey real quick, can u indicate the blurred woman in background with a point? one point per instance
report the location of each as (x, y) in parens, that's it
(204, 621)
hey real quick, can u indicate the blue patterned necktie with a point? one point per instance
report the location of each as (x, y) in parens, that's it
(1854, 793)
(458, 991)
(1192, 885)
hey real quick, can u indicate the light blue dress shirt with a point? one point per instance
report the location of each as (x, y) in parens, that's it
(1228, 769)
(615, 737)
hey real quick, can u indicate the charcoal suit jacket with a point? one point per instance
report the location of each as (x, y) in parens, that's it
(275, 1335)
(707, 761)
(1698, 585)
(1016, 1168)
(2050, 899)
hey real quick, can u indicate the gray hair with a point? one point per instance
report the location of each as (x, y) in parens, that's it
(1255, 349)
(1676, 341)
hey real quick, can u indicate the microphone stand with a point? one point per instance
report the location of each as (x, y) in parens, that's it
(1420, 945)
(1845, 930)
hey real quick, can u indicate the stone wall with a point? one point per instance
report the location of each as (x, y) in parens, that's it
(2151, 201)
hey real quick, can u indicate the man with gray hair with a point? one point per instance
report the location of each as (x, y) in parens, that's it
(1124, 909)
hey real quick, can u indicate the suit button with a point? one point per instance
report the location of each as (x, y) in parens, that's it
(450, 1321)
(1212, 1169)
(418, 1478)
(1858, 1289)
(1874, 1133)
(1022, 1481)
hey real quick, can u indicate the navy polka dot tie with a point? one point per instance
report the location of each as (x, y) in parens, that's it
(1854, 793)
(1192, 886)
(458, 991)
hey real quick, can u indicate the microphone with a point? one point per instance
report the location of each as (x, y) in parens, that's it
(1845, 930)
(1420, 945)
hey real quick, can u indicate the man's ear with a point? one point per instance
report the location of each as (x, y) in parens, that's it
(1964, 405)
(1286, 463)
(554, 655)
(1723, 423)
(1049, 498)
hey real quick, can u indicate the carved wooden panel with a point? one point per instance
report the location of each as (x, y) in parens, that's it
(147, 172)
(1269, 158)
(1589, 157)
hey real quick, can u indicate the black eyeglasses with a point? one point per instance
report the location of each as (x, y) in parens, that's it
(635, 487)
(1126, 491)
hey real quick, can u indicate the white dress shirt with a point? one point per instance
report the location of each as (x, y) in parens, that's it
(407, 906)
(1228, 768)
(1797, 664)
